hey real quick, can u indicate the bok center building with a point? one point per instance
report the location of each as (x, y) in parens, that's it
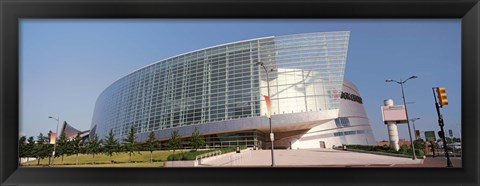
(221, 92)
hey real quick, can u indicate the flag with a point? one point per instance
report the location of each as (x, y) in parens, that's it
(52, 137)
(267, 100)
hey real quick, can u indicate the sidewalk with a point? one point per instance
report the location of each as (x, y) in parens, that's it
(310, 157)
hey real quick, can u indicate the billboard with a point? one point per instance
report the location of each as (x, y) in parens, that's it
(450, 133)
(394, 113)
(430, 136)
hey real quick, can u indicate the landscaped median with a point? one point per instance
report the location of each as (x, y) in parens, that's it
(190, 159)
(404, 151)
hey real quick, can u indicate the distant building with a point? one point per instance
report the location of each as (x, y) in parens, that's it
(400, 142)
(71, 132)
(220, 91)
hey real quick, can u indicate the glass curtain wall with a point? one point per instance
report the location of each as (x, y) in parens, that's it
(309, 71)
(214, 84)
(224, 83)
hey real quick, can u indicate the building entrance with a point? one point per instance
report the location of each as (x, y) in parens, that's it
(322, 144)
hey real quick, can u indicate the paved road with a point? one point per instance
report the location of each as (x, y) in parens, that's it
(436, 162)
(310, 157)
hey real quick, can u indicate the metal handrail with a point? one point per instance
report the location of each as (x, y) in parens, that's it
(239, 157)
(210, 154)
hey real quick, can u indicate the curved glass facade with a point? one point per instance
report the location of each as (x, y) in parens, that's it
(223, 83)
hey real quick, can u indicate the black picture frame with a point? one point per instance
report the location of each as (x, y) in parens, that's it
(11, 11)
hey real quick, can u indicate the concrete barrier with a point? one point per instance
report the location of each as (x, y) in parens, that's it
(23, 160)
(191, 163)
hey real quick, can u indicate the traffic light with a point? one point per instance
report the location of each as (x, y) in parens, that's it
(442, 96)
(441, 134)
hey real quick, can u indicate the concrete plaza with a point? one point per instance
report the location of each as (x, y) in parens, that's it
(306, 158)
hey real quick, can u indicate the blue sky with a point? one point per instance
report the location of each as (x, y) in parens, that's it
(66, 64)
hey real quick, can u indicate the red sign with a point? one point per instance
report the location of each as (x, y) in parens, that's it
(52, 138)
(267, 100)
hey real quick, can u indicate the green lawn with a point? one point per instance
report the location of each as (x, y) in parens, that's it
(143, 165)
(103, 160)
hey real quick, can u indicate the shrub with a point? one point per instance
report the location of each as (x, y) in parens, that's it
(185, 156)
(419, 144)
(419, 152)
(227, 149)
(192, 154)
(404, 149)
(370, 148)
(393, 151)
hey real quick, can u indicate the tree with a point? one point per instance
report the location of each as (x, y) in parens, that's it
(63, 146)
(38, 148)
(47, 141)
(22, 149)
(30, 148)
(449, 140)
(42, 148)
(174, 141)
(77, 146)
(197, 140)
(130, 145)
(419, 144)
(93, 146)
(50, 147)
(111, 145)
(151, 144)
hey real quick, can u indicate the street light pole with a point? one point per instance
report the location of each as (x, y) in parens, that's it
(406, 112)
(414, 130)
(269, 118)
(55, 144)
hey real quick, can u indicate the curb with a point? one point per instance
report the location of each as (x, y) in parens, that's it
(383, 153)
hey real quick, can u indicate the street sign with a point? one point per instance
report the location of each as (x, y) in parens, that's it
(450, 133)
(430, 136)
